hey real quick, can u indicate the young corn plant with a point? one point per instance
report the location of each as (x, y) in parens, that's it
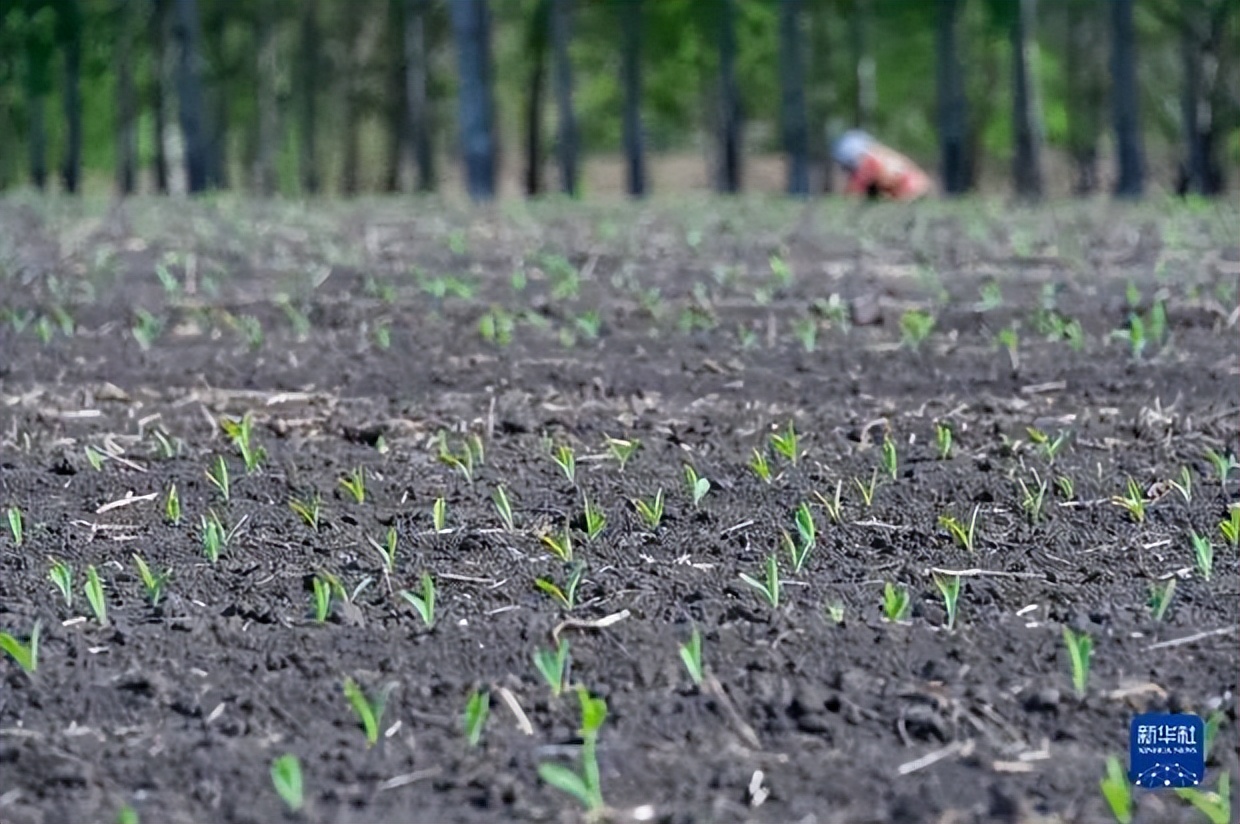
(962, 535)
(584, 786)
(1203, 554)
(1117, 791)
(760, 466)
(1065, 487)
(321, 597)
(691, 655)
(915, 327)
(172, 505)
(890, 459)
(218, 476)
(867, 490)
(622, 449)
(566, 597)
(1032, 500)
(308, 509)
(698, 486)
(214, 536)
(61, 574)
(286, 779)
(369, 710)
(651, 511)
(94, 457)
(464, 461)
(1184, 485)
(1048, 446)
(949, 588)
(769, 585)
(561, 546)
(799, 550)
(1160, 599)
(835, 611)
(1223, 465)
(16, 525)
(943, 440)
(26, 655)
(1132, 501)
(552, 665)
(1080, 651)
(594, 519)
(354, 484)
(504, 508)
(386, 550)
(152, 583)
(831, 505)
(241, 433)
(785, 444)
(896, 602)
(1215, 805)
(477, 708)
(1230, 528)
(424, 601)
(566, 461)
(94, 595)
(439, 515)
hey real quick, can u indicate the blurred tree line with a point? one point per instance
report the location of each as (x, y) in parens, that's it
(346, 96)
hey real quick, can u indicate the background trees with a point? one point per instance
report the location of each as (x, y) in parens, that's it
(349, 96)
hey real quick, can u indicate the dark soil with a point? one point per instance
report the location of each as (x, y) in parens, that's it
(282, 312)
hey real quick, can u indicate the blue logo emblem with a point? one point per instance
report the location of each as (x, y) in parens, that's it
(1167, 751)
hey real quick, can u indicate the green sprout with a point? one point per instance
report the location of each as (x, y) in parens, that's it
(943, 437)
(915, 327)
(965, 536)
(770, 586)
(1032, 500)
(1080, 651)
(172, 505)
(94, 595)
(698, 486)
(439, 514)
(504, 507)
(806, 331)
(464, 461)
(241, 434)
(214, 536)
(1184, 485)
(831, 505)
(561, 546)
(651, 512)
(896, 602)
(553, 666)
(321, 593)
(1049, 446)
(1160, 599)
(1216, 806)
(424, 603)
(785, 444)
(1117, 791)
(386, 550)
(835, 611)
(146, 328)
(890, 459)
(1008, 339)
(1065, 486)
(867, 490)
(355, 484)
(61, 574)
(1135, 334)
(1230, 528)
(781, 272)
(308, 509)
(26, 655)
(382, 334)
(760, 466)
(949, 588)
(153, 584)
(566, 597)
(595, 520)
(94, 457)
(218, 476)
(168, 447)
(1203, 552)
(16, 525)
(369, 711)
(1223, 465)
(1133, 501)
(622, 449)
(585, 787)
(286, 778)
(1213, 723)
(566, 461)
(477, 708)
(691, 654)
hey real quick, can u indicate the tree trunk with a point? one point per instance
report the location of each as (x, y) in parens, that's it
(1026, 114)
(189, 92)
(471, 27)
(566, 138)
(308, 76)
(159, 75)
(397, 101)
(350, 114)
(822, 94)
(36, 99)
(865, 95)
(1084, 92)
(1124, 101)
(71, 170)
(536, 50)
(729, 180)
(952, 103)
(631, 71)
(417, 105)
(792, 98)
(1196, 165)
(268, 100)
(126, 102)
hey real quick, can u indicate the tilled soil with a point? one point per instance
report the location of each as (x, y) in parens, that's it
(357, 336)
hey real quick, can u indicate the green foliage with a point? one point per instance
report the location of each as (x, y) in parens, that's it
(566, 596)
(152, 583)
(26, 655)
(584, 786)
(896, 602)
(1080, 652)
(768, 586)
(651, 511)
(785, 444)
(423, 602)
(61, 574)
(915, 327)
(622, 449)
(552, 665)
(1216, 805)
(691, 655)
(286, 778)
(369, 710)
(698, 486)
(1117, 791)
(95, 597)
(16, 525)
(477, 708)
(354, 483)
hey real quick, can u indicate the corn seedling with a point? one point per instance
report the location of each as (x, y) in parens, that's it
(214, 536)
(369, 711)
(949, 588)
(218, 476)
(26, 655)
(423, 602)
(595, 520)
(1133, 501)
(94, 595)
(321, 593)
(760, 466)
(915, 327)
(1216, 805)
(785, 444)
(1080, 651)
(651, 512)
(497, 326)
(1223, 465)
(241, 433)
(94, 457)
(286, 778)
(146, 328)
(169, 448)
(1203, 553)
(691, 654)
(61, 574)
(867, 490)
(806, 331)
(1008, 340)
(172, 505)
(566, 461)
(1065, 486)
(355, 484)
(943, 438)
(504, 507)
(1160, 599)
(308, 509)
(566, 597)
(585, 787)
(1049, 447)
(896, 602)
(1184, 485)
(1230, 528)
(1032, 500)
(1212, 725)
(622, 449)
(1135, 335)
(477, 708)
(769, 587)
(960, 533)
(561, 546)
(1117, 791)
(439, 514)
(462, 462)
(831, 505)
(16, 525)
(698, 486)
(890, 460)
(835, 611)
(552, 665)
(153, 584)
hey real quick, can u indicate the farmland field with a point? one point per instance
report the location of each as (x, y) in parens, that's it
(440, 354)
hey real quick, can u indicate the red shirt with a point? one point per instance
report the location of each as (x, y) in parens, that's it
(891, 173)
